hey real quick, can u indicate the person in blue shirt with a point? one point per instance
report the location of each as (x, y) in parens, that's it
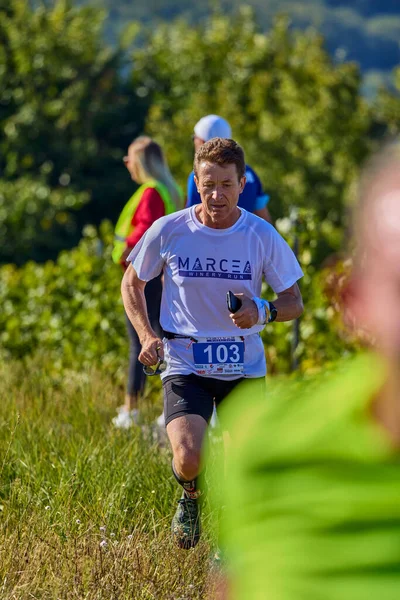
(253, 199)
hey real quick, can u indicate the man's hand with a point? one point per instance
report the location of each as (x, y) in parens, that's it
(247, 315)
(152, 351)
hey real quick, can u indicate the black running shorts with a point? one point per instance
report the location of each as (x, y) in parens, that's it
(195, 395)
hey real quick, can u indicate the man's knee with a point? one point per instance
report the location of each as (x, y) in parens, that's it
(187, 462)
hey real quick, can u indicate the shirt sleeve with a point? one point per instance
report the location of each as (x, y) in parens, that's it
(261, 202)
(193, 196)
(262, 199)
(146, 257)
(150, 208)
(281, 268)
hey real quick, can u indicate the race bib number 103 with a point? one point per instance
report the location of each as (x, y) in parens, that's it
(219, 356)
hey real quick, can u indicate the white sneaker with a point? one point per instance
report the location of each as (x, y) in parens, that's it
(160, 421)
(125, 418)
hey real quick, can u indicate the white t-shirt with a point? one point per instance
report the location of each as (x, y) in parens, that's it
(200, 265)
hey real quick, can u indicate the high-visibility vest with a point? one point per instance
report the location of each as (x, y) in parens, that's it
(124, 226)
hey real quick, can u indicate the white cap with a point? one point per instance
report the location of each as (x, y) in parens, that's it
(212, 126)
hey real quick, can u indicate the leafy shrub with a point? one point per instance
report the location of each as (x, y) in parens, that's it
(298, 114)
(36, 219)
(71, 309)
(322, 337)
(66, 116)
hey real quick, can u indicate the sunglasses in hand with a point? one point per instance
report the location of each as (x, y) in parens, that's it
(157, 369)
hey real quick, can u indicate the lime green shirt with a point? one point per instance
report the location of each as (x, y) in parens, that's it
(312, 491)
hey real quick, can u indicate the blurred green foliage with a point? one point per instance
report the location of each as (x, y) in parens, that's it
(387, 108)
(322, 336)
(69, 106)
(361, 30)
(70, 309)
(36, 218)
(299, 117)
(67, 116)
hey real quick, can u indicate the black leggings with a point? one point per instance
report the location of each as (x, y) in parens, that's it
(136, 377)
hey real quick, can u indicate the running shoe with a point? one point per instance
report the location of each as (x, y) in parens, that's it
(185, 525)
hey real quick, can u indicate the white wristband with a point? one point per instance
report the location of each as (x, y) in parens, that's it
(263, 310)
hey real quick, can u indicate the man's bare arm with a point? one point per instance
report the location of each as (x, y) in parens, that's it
(289, 304)
(132, 290)
(264, 213)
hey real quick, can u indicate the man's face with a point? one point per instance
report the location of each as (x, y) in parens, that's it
(375, 298)
(219, 188)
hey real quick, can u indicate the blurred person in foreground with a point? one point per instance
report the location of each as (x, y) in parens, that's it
(158, 195)
(204, 252)
(253, 197)
(312, 488)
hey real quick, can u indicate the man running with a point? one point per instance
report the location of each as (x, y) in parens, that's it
(253, 198)
(204, 252)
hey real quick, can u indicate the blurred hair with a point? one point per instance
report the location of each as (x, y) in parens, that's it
(385, 161)
(382, 168)
(150, 163)
(221, 151)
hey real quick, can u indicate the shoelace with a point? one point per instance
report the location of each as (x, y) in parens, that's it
(190, 506)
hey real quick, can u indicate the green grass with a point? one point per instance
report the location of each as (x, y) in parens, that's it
(85, 510)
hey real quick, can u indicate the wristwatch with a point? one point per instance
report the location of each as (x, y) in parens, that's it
(267, 312)
(273, 312)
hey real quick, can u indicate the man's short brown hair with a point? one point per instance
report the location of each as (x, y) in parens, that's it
(223, 152)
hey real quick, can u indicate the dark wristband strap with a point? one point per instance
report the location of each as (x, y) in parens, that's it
(273, 312)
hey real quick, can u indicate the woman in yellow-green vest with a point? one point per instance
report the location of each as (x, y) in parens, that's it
(158, 195)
